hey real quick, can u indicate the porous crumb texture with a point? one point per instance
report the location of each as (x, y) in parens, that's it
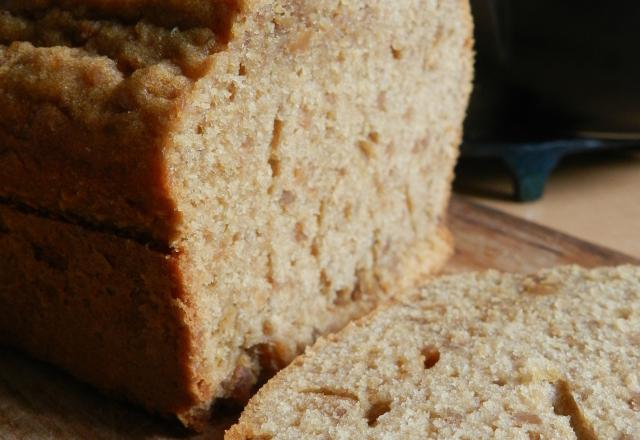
(552, 355)
(287, 163)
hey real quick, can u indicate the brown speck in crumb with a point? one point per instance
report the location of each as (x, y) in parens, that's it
(343, 297)
(300, 175)
(366, 149)
(287, 198)
(396, 53)
(300, 236)
(500, 382)
(232, 89)
(401, 366)
(325, 282)
(302, 42)
(247, 144)
(315, 250)
(347, 211)
(420, 146)
(527, 419)
(356, 293)
(624, 313)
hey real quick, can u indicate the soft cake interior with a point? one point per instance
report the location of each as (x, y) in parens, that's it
(314, 170)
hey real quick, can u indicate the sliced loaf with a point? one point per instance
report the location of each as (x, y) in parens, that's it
(554, 355)
(192, 191)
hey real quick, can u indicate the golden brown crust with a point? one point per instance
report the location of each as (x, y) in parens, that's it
(85, 110)
(107, 309)
(214, 14)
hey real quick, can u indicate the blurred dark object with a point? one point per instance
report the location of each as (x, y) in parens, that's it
(553, 78)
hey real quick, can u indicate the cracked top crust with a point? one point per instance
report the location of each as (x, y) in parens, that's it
(86, 104)
(130, 47)
(213, 14)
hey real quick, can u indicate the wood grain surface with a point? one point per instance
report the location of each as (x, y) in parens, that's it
(39, 402)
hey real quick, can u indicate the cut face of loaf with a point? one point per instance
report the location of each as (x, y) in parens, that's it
(547, 356)
(192, 191)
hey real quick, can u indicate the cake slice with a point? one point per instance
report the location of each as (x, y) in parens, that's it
(553, 355)
(192, 191)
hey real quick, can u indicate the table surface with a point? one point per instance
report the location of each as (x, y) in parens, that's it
(595, 197)
(38, 401)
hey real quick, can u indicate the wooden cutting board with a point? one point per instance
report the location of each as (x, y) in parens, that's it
(38, 401)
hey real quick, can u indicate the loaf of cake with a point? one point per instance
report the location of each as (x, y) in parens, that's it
(193, 191)
(553, 355)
